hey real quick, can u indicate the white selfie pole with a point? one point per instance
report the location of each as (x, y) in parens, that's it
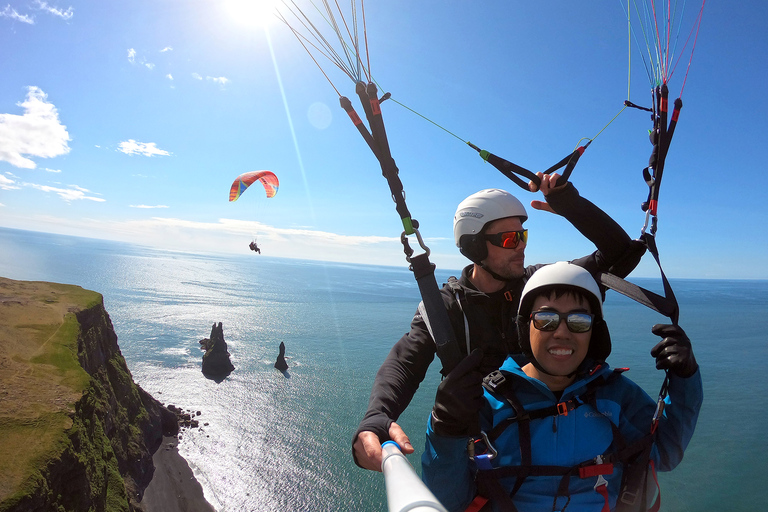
(405, 490)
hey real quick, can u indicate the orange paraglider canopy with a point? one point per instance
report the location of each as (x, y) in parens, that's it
(267, 178)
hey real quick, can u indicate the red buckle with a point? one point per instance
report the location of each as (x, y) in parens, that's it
(562, 408)
(595, 469)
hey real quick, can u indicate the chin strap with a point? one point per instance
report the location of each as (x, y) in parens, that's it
(493, 274)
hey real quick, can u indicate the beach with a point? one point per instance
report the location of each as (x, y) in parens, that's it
(173, 487)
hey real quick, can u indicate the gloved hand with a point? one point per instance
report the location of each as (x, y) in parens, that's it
(459, 399)
(674, 352)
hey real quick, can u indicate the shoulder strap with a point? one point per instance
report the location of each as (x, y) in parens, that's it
(449, 350)
(458, 292)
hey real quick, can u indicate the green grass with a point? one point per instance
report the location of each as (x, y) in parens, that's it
(55, 416)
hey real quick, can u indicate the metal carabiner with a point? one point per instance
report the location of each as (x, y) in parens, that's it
(404, 241)
(491, 451)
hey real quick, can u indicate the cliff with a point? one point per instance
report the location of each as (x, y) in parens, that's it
(76, 433)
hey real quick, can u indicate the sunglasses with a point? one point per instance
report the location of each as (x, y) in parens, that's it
(550, 320)
(508, 239)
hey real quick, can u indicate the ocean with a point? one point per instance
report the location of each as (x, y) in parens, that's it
(274, 442)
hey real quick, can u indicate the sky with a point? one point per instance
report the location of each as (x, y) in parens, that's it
(129, 121)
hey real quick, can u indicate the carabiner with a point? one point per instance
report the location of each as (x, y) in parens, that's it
(490, 452)
(404, 241)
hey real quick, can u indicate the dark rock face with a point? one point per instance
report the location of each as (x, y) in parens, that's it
(106, 457)
(280, 364)
(216, 363)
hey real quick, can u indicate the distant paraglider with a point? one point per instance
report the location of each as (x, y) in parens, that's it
(269, 181)
(267, 178)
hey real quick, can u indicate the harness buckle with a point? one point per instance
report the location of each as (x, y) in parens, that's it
(599, 468)
(562, 408)
(494, 379)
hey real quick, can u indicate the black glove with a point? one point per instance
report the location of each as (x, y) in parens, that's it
(674, 352)
(459, 399)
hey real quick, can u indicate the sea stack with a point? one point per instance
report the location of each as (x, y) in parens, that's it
(280, 364)
(216, 361)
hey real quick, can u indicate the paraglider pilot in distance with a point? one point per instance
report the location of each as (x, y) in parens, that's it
(564, 426)
(488, 229)
(254, 247)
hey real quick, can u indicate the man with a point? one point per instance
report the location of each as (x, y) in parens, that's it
(488, 229)
(565, 430)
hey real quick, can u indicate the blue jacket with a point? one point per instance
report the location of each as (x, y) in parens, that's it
(565, 440)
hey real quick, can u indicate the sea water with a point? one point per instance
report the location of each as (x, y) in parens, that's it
(270, 441)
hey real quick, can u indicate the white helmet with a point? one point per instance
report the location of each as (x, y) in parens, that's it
(475, 212)
(564, 274)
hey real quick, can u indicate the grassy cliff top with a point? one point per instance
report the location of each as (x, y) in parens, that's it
(40, 376)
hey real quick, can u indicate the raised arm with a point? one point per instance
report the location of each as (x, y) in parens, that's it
(616, 251)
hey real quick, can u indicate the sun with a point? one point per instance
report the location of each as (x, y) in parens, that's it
(253, 13)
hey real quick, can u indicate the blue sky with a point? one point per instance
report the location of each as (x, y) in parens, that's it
(130, 120)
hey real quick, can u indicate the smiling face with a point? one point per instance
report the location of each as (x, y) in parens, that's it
(558, 352)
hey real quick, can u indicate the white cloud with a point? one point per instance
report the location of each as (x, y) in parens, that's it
(169, 76)
(11, 13)
(73, 193)
(38, 132)
(196, 76)
(166, 49)
(65, 15)
(147, 207)
(131, 147)
(132, 58)
(219, 80)
(7, 183)
(51, 170)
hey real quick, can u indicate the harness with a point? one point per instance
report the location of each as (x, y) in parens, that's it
(633, 458)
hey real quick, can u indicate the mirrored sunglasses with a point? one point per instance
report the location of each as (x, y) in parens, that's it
(508, 239)
(550, 320)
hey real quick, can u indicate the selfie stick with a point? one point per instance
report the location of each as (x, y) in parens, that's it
(405, 490)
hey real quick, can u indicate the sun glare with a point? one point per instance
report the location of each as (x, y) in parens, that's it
(252, 13)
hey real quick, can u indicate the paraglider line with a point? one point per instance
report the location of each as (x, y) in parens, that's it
(607, 125)
(698, 25)
(427, 119)
(365, 37)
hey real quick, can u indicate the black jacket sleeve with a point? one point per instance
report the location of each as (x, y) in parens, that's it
(616, 251)
(398, 379)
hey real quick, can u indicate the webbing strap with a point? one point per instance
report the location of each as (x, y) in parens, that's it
(666, 305)
(435, 314)
(661, 138)
(510, 170)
